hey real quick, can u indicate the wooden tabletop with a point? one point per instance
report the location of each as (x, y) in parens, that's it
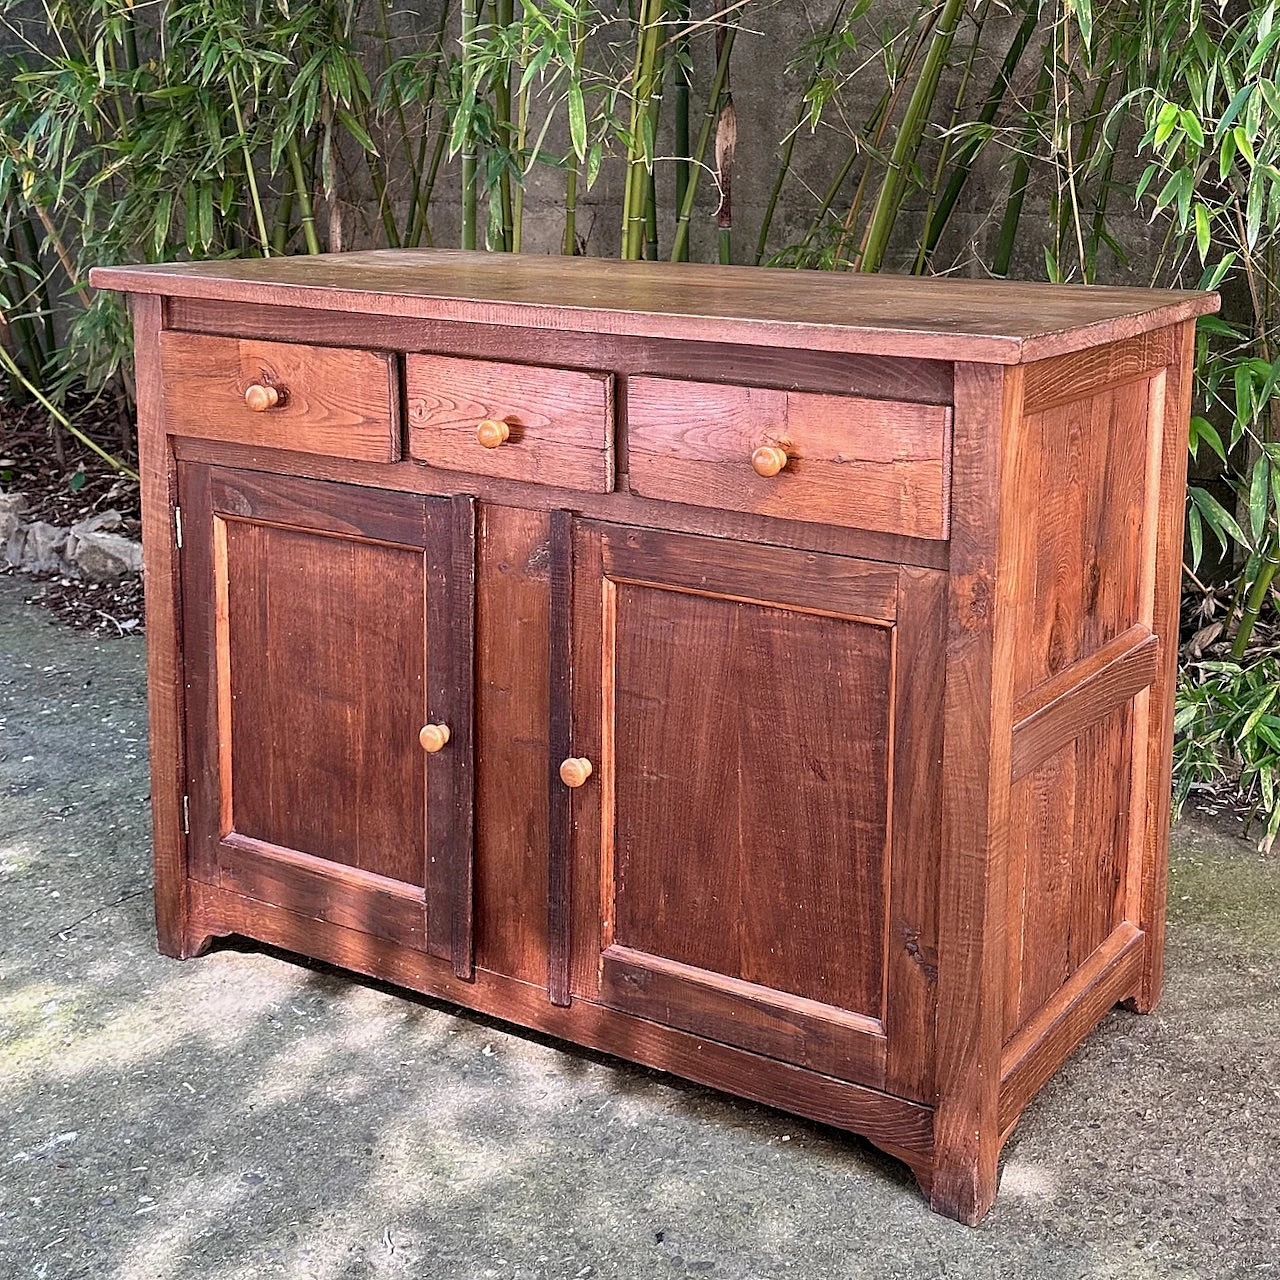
(945, 318)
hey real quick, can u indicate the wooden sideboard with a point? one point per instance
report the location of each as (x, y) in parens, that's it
(763, 676)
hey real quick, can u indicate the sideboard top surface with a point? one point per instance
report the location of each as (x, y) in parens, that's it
(985, 321)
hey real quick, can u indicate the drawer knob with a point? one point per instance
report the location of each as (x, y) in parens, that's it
(491, 433)
(433, 737)
(575, 771)
(260, 398)
(768, 460)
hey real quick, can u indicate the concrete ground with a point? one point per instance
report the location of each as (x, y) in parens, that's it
(245, 1116)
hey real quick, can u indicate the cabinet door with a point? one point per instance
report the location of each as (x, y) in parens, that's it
(325, 626)
(755, 850)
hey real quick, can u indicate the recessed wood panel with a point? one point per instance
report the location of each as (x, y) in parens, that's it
(559, 421)
(326, 654)
(871, 464)
(1086, 466)
(750, 749)
(332, 401)
(1069, 828)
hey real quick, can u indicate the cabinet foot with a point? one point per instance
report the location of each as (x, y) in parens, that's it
(961, 1191)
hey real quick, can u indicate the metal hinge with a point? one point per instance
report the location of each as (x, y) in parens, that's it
(177, 526)
(186, 815)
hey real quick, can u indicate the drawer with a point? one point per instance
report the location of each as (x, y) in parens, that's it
(524, 422)
(869, 464)
(327, 400)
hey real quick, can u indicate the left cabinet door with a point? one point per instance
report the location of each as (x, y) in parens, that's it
(328, 647)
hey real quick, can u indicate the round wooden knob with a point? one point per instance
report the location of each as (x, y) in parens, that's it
(260, 398)
(491, 433)
(433, 737)
(768, 460)
(575, 771)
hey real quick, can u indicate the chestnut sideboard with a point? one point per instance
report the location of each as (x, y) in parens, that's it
(763, 676)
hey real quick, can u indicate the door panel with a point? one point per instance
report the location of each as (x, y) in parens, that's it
(738, 841)
(325, 625)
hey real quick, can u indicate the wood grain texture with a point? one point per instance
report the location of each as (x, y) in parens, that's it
(290, 745)
(911, 960)
(975, 796)
(621, 507)
(512, 717)
(332, 401)
(560, 422)
(1108, 976)
(450, 631)
(904, 1129)
(1148, 912)
(732, 571)
(164, 646)
(1002, 322)
(839, 373)
(1049, 383)
(1068, 836)
(874, 464)
(779, 1025)
(1080, 696)
(1081, 516)
(742, 842)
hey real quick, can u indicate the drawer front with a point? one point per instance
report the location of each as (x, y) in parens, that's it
(281, 395)
(868, 464)
(549, 426)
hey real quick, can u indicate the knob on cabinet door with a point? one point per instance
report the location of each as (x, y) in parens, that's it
(260, 398)
(575, 771)
(492, 432)
(768, 460)
(433, 737)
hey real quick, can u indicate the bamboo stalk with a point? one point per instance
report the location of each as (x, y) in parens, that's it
(250, 177)
(417, 218)
(1022, 170)
(680, 247)
(305, 208)
(682, 74)
(789, 146)
(470, 16)
(569, 246)
(884, 213)
(968, 154)
(504, 19)
(1254, 603)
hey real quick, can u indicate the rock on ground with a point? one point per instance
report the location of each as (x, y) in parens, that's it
(241, 1116)
(88, 549)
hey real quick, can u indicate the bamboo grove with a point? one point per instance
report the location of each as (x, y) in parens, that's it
(1085, 140)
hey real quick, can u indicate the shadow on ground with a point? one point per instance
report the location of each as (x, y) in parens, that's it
(245, 1116)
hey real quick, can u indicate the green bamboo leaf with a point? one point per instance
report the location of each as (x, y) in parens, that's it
(357, 131)
(1203, 429)
(1191, 127)
(1244, 145)
(1195, 527)
(1166, 123)
(1244, 394)
(1216, 516)
(1259, 492)
(1203, 236)
(577, 120)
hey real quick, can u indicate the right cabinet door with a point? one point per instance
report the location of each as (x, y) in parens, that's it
(754, 854)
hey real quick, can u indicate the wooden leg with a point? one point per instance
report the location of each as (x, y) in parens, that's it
(964, 1183)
